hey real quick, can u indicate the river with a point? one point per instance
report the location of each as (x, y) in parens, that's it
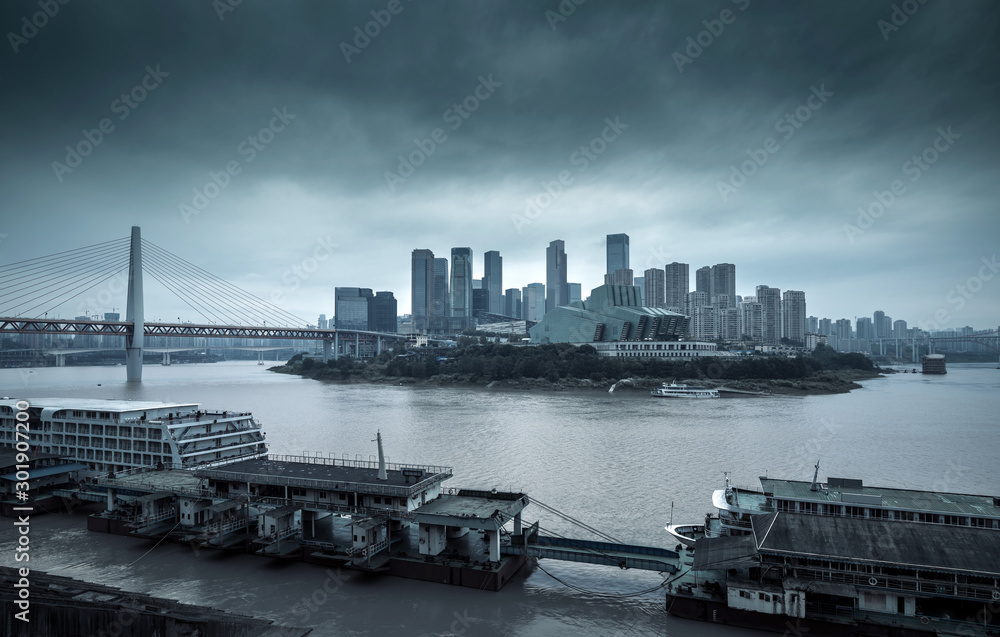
(623, 463)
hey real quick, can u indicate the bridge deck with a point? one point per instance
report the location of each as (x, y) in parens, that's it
(607, 553)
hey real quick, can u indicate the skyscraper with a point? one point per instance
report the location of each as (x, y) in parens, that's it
(770, 303)
(555, 275)
(677, 286)
(723, 281)
(461, 289)
(533, 301)
(441, 302)
(793, 315)
(382, 312)
(654, 280)
(493, 280)
(621, 276)
(617, 252)
(351, 308)
(422, 289)
(865, 328)
(512, 303)
(882, 325)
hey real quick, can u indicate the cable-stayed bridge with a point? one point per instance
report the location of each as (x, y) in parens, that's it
(32, 288)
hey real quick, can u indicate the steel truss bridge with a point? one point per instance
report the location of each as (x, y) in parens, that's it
(54, 279)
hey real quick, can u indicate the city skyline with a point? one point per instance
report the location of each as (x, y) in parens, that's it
(856, 167)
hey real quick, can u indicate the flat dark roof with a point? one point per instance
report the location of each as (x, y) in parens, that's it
(337, 474)
(902, 544)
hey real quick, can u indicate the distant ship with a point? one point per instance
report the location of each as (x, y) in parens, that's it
(674, 390)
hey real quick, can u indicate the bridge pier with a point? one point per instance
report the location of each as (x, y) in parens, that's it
(166, 358)
(327, 346)
(60, 360)
(336, 345)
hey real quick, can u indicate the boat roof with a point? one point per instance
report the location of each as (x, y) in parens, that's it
(332, 476)
(890, 543)
(94, 404)
(885, 497)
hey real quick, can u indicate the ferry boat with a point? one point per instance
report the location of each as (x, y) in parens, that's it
(674, 390)
(840, 497)
(120, 435)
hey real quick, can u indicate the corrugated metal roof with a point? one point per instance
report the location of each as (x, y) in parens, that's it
(902, 544)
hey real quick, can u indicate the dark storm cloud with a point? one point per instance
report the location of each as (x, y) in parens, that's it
(691, 109)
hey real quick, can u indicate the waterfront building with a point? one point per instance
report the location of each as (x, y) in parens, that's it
(461, 290)
(382, 312)
(618, 253)
(695, 303)
(655, 284)
(493, 280)
(611, 313)
(555, 276)
(793, 315)
(728, 319)
(752, 320)
(422, 298)
(351, 308)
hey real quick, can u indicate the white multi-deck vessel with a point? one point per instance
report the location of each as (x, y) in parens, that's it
(116, 435)
(674, 390)
(842, 497)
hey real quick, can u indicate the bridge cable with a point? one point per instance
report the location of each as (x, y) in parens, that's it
(207, 293)
(577, 522)
(55, 254)
(249, 298)
(156, 274)
(247, 301)
(82, 283)
(68, 262)
(58, 275)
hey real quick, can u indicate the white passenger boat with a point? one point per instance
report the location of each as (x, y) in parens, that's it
(674, 390)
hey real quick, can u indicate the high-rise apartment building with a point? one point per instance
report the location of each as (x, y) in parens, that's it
(321, 322)
(865, 328)
(617, 253)
(677, 287)
(793, 316)
(899, 329)
(723, 282)
(752, 320)
(351, 308)
(770, 301)
(461, 289)
(493, 280)
(622, 276)
(881, 325)
(422, 289)
(555, 275)
(655, 284)
(812, 325)
(703, 281)
(825, 327)
(842, 329)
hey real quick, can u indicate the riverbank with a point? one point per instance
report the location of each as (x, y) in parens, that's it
(819, 383)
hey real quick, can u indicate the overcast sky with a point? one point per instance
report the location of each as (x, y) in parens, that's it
(742, 132)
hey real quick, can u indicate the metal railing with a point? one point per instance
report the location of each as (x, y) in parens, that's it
(900, 583)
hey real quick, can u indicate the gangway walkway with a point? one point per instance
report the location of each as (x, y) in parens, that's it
(592, 552)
